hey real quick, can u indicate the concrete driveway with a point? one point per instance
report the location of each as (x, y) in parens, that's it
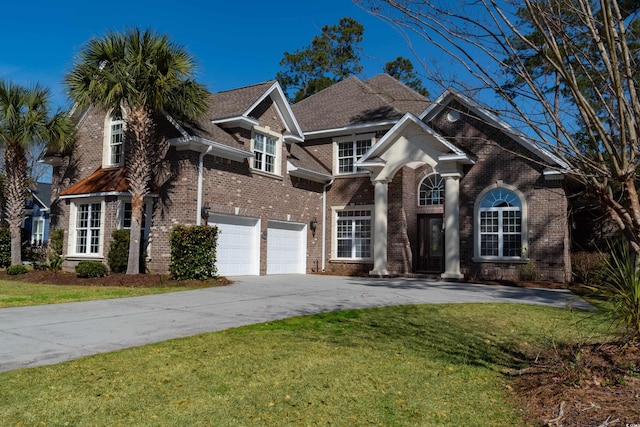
(40, 335)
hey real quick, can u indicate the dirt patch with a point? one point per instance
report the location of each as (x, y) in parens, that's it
(113, 279)
(582, 385)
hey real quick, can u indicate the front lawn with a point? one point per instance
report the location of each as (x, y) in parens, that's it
(397, 366)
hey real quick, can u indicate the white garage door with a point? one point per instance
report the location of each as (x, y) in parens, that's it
(238, 251)
(286, 248)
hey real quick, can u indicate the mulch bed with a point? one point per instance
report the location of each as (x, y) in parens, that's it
(582, 385)
(113, 279)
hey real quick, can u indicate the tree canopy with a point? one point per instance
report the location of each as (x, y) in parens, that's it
(139, 76)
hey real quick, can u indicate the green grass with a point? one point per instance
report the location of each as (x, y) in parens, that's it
(20, 294)
(426, 365)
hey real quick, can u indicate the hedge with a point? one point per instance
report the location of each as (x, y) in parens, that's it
(193, 252)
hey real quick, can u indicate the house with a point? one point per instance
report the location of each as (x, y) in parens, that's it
(363, 177)
(35, 228)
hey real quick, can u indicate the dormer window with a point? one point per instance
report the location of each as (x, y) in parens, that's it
(267, 148)
(116, 139)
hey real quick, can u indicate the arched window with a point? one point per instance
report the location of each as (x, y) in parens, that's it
(431, 190)
(500, 224)
(116, 139)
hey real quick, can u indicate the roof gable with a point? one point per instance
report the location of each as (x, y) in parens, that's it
(450, 95)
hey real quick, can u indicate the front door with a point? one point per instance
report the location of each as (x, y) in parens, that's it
(430, 243)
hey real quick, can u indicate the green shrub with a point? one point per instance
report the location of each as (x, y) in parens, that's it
(623, 290)
(193, 252)
(86, 269)
(119, 251)
(589, 268)
(5, 247)
(56, 238)
(14, 270)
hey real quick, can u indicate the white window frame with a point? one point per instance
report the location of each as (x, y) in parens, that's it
(108, 146)
(361, 212)
(72, 248)
(430, 179)
(353, 140)
(37, 231)
(260, 153)
(500, 215)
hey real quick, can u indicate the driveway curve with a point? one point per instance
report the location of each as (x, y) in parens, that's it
(41, 335)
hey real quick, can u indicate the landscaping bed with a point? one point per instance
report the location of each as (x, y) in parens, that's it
(113, 279)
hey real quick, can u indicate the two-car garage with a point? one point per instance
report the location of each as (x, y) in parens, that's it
(239, 241)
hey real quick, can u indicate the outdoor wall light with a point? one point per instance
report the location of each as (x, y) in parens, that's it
(204, 211)
(313, 224)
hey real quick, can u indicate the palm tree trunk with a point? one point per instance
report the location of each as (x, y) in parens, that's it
(139, 134)
(16, 176)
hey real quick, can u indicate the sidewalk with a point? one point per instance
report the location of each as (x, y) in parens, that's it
(40, 335)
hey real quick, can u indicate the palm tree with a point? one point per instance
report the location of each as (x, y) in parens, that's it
(24, 122)
(139, 76)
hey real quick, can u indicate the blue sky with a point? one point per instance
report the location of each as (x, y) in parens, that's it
(236, 43)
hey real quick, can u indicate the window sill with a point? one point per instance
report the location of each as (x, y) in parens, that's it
(83, 257)
(507, 260)
(352, 175)
(352, 260)
(266, 174)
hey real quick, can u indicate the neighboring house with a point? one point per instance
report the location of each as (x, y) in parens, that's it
(362, 177)
(35, 227)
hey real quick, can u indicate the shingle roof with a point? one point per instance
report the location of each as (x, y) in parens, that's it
(352, 101)
(301, 158)
(235, 102)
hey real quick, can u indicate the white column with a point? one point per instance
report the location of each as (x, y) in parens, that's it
(380, 230)
(452, 227)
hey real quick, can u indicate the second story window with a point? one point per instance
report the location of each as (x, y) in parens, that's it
(116, 141)
(264, 150)
(349, 151)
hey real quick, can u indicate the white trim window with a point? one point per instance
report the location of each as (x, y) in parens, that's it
(349, 150)
(37, 231)
(265, 151)
(354, 234)
(500, 225)
(113, 152)
(88, 229)
(431, 191)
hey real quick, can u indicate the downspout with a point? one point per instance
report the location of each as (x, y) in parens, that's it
(200, 174)
(324, 222)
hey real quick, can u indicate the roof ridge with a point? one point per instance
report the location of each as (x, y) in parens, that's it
(245, 87)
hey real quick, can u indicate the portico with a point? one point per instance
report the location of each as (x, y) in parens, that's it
(411, 143)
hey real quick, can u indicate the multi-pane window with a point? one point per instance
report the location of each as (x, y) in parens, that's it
(37, 231)
(126, 216)
(88, 226)
(353, 234)
(431, 190)
(349, 152)
(116, 141)
(264, 150)
(500, 224)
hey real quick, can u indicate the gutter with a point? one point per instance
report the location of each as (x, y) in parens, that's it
(200, 174)
(324, 222)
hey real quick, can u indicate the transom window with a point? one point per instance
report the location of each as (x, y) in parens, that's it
(88, 227)
(349, 152)
(264, 150)
(500, 224)
(431, 190)
(116, 141)
(353, 234)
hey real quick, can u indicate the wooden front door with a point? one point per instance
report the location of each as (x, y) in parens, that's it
(430, 243)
